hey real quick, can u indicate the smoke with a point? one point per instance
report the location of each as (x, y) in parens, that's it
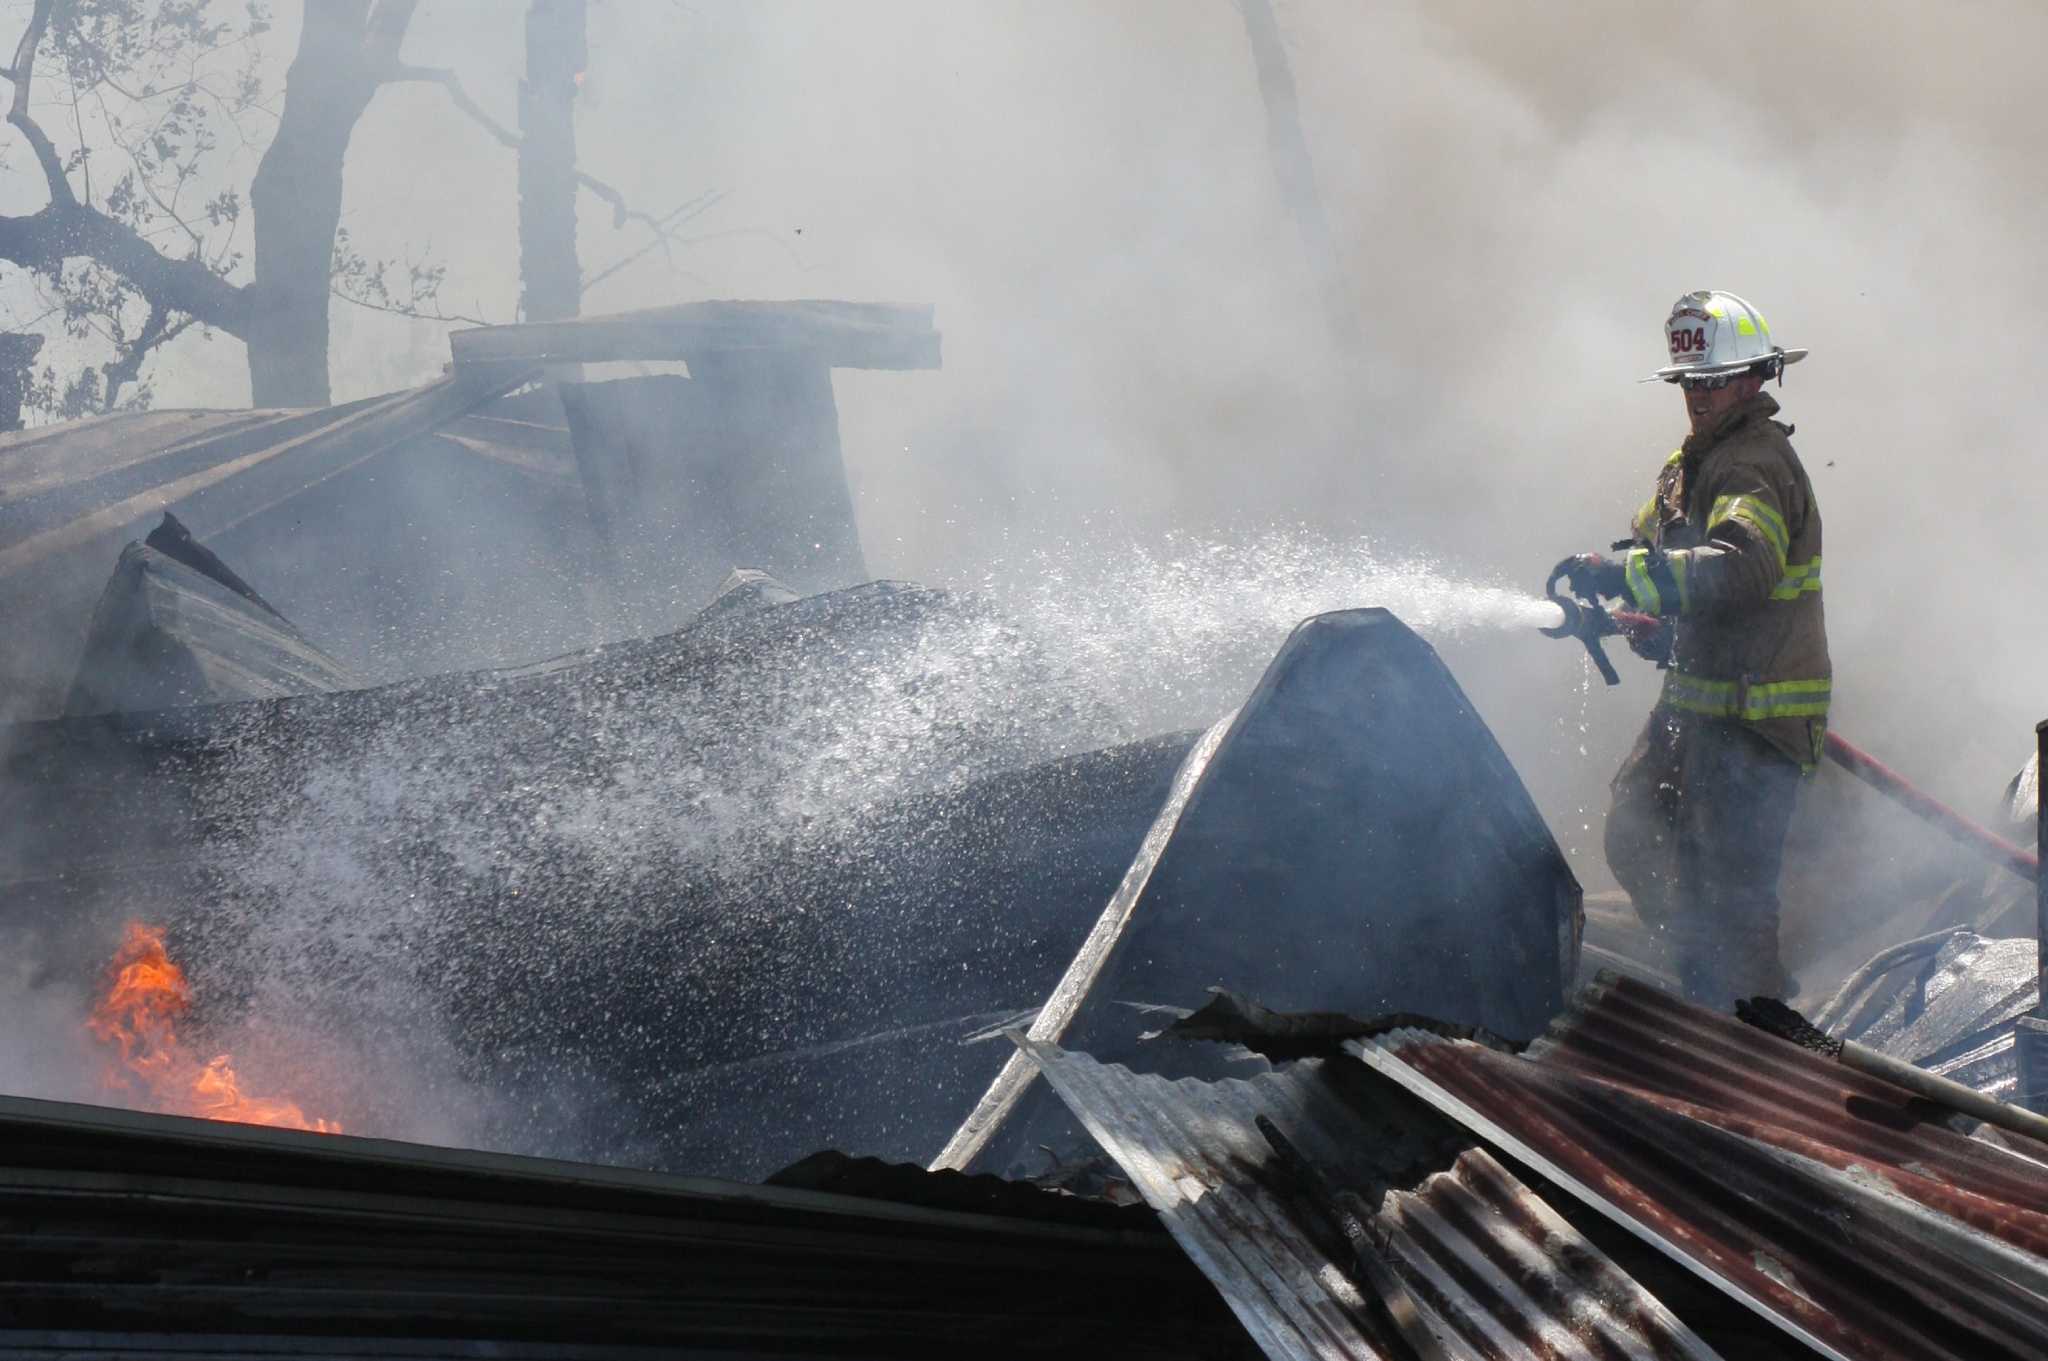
(44, 1050)
(1084, 192)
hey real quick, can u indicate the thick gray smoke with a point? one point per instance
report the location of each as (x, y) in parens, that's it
(1133, 339)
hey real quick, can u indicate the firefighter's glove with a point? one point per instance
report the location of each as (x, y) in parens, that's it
(1648, 636)
(1592, 576)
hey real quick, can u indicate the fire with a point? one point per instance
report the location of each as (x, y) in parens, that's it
(137, 1021)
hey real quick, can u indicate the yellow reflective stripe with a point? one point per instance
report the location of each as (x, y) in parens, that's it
(1646, 519)
(1744, 326)
(1725, 699)
(1681, 567)
(1677, 456)
(1636, 572)
(1800, 579)
(1757, 514)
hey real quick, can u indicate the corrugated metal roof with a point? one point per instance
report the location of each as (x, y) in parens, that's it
(72, 495)
(1620, 1031)
(42, 459)
(1487, 1269)
(540, 451)
(1837, 1206)
(268, 456)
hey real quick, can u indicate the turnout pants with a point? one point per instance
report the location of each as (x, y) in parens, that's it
(1696, 835)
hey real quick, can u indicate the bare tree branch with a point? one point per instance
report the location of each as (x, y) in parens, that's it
(67, 228)
(386, 30)
(84, 155)
(695, 207)
(156, 332)
(45, 239)
(18, 114)
(622, 212)
(447, 79)
(404, 310)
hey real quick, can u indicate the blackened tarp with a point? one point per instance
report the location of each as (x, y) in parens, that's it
(135, 1235)
(1357, 842)
(1360, 843)
(709, 901)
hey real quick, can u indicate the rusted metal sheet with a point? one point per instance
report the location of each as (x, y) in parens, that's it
(1481, 1246)
(1830, 1203)
(1484, 1268)
(1621, 1031)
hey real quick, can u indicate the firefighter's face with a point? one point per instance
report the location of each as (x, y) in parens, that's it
(1705, 406)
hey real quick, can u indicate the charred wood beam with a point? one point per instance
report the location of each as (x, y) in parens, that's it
(1295, 170)
(555, 58)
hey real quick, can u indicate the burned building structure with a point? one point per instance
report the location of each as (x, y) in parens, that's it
(738, 866)
(481, 519)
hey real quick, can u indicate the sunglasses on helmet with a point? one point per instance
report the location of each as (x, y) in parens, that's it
(1714, 382)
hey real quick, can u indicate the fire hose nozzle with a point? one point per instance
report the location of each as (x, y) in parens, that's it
(1584, 620)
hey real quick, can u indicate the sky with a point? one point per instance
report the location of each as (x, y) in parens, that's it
(1134, 342)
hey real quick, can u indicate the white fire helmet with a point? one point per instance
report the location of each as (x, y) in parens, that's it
(1711, 332)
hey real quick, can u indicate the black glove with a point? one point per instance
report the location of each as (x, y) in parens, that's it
(1648, 636)
(1592, 576)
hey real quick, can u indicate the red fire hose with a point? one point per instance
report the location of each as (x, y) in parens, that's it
(1898, 788)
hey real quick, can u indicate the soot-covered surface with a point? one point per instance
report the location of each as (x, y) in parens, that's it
(710, 901)
(1357, 843)
(129, 1235)
(1360, 843)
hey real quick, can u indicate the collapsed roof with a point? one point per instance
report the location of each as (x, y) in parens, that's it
(324, 505)
(747, 887)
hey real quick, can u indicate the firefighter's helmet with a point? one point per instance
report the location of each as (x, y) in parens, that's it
(1714, 333)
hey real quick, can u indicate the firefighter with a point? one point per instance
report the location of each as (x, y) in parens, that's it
(1723, 566)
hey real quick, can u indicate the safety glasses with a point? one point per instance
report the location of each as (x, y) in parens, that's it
(1768, 367)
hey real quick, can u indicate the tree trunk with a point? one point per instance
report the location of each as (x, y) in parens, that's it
(551, 285)
(346, 49)
(1295, 171)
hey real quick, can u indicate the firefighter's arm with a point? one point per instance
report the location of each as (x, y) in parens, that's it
(1738, 566)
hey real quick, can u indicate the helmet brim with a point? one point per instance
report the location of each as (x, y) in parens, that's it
(1671, 371)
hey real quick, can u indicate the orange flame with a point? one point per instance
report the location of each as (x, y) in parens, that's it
(137, 1021)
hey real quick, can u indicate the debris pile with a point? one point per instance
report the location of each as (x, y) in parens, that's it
(176, 626)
